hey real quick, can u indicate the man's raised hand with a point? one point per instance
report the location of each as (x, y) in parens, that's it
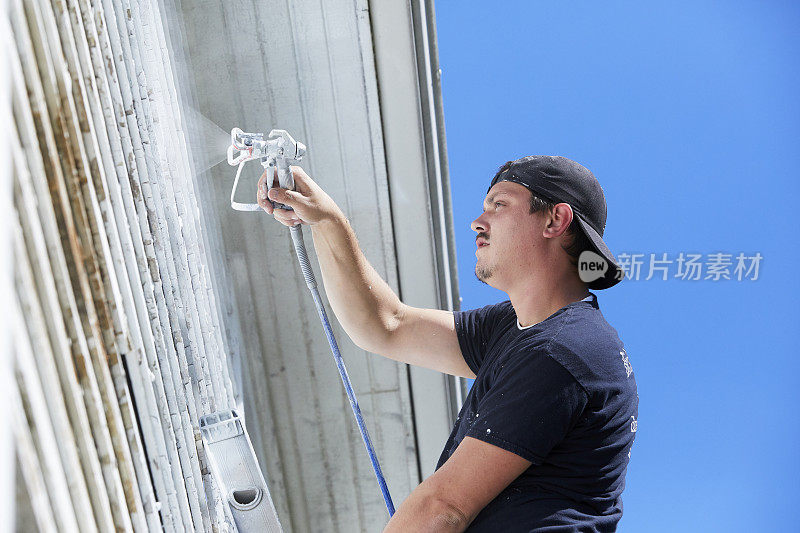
(310, 203)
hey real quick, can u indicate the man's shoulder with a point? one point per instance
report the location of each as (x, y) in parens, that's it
(496, 309)
(478, 330)
(588, 347)
(489, 316)
(585, 328)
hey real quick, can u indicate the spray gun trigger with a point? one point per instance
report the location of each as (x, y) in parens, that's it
(278, 205)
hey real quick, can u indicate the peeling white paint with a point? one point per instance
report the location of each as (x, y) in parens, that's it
(119, 339)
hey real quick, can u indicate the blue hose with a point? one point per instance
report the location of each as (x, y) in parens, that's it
(308, 274)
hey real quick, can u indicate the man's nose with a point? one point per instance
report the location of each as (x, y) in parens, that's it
(479, 224)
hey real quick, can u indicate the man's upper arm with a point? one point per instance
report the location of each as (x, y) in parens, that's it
(426, 338)
(474, 475)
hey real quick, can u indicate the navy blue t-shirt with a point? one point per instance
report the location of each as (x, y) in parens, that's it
(561, 394)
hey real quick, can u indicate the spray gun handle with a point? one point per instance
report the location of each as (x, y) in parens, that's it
(285, 180)
(285, 177)
(270, 168)
(288, 151)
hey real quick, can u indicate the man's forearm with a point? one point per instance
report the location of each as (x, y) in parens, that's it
(363, 302)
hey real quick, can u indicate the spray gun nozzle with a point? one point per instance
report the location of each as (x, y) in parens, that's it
(241, 140)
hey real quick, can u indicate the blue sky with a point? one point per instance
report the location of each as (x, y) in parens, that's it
(689, 115)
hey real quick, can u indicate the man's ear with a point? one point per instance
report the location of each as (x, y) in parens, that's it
(558, 220)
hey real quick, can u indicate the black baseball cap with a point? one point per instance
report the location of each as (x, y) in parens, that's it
(558, 179)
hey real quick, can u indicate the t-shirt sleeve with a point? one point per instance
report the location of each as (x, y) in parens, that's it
(531, 408)
(474, 329)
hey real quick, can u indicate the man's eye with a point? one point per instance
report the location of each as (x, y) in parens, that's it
(498, 204)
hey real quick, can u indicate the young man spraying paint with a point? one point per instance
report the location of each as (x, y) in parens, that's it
(543, 440)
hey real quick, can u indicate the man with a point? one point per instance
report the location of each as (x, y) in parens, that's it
(543, 440)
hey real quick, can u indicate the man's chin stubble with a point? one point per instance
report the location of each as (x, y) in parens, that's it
(483, 274)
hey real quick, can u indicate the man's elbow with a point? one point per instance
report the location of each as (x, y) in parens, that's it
(447, 516)
(382, 340)
(374, 341)
(427, 511)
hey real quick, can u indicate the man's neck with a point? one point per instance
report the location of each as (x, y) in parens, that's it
(536, 302)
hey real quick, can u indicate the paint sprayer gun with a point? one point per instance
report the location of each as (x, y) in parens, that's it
(277, 152)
